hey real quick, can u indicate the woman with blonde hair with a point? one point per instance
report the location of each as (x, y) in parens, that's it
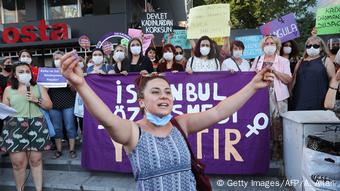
(312, 76)
(278, 90)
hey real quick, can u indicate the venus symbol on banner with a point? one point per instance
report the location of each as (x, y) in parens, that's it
(256, 125)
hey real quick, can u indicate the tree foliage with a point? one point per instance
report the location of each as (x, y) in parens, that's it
(252, 13)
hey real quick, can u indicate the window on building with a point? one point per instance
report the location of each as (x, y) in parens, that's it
(87, 7)
(63, 9)
(21, 10)
(12, 11)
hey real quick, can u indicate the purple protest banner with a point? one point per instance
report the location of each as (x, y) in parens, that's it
(284, 28)
(237, 145)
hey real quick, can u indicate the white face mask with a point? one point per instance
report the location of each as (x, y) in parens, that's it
(168, 56)
(179, 57)
(135, 50)
(204, 51)
(57, 63)
(118, 56)
(97, 59)
(237, 53)
(26, 60)
(25, 78)
(269, 50)
(313, 51)
(287, 50)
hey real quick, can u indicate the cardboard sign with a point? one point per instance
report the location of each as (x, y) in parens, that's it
(285, 28)
(252, 47)
(107, 47)
(135, 33)
(157, 23)
(179, 38)
(84, 42)
(328, 20)
(210, 20)
(51, 78)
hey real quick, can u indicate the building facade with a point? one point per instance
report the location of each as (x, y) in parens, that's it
(43, 26)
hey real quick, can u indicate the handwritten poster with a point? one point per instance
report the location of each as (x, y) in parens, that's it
(210, 20)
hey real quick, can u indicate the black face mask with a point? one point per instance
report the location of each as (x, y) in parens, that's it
(334, 49)
(8, 68)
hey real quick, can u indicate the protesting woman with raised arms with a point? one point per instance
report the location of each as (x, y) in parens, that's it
(150, 141)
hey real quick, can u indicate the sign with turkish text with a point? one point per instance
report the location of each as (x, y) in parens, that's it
(285, 28)
(209, 20)
(252, 47)
(84, 42)
(328, 20)
(156, 23)
(111, 35)
(107, 47)
(179, 38)
(51, 78)
(236, 145)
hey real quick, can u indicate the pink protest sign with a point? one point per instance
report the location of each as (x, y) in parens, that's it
(135, 33)
(147, 39)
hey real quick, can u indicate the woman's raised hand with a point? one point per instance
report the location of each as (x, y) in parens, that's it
(70, 68)
(263, 78)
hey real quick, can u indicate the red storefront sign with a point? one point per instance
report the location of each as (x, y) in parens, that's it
(30, 33)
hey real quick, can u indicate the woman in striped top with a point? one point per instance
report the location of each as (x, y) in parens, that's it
(157, 151)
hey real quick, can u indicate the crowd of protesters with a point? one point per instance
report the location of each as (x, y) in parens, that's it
(307, 81)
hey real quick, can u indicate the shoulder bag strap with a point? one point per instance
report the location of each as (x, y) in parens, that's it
(192, 60)
(174, 122)
(216, 64)
(239, 69)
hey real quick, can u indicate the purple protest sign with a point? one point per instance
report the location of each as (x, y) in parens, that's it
(284, 28)
(237, 145)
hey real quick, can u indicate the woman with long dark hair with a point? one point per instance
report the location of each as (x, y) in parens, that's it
(25, 135)
(136, 61)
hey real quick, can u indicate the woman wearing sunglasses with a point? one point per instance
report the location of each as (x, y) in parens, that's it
(180, 59)
(312, 76)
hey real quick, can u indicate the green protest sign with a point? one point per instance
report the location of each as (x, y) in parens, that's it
(179, 38)
(328, 20)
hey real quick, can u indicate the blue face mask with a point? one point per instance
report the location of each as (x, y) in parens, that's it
(157, 120)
